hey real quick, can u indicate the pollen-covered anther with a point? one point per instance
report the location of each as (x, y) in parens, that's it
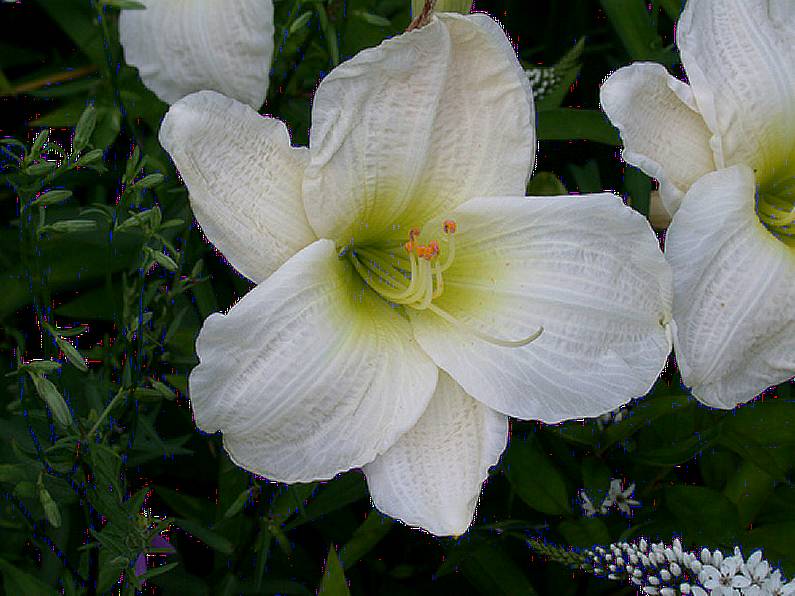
(409, 246)
(449, 226)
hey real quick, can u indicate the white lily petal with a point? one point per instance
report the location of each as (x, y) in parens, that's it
(734, 289)
(432, 477)
(410, 129)
(740, 60)
(309, 374)
(586, 268)
(663, 133)
(182, 46)
(244, 180)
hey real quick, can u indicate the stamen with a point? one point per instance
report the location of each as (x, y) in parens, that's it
(505, 343)
(415, 279)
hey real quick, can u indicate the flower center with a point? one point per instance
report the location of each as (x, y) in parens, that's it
(411, 274)
(776, 209)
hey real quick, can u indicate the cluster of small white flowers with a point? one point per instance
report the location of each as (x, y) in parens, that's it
(616, 497)
(542, 80)
(670, 571)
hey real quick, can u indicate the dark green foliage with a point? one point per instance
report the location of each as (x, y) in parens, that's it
(105, 283)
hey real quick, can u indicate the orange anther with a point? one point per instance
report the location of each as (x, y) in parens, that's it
(413, 233)
(449, 226)
(409, 246)
(433, 248)
(425, 252)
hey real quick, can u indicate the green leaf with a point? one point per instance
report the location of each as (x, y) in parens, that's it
(149, 181)
(199, 531)
(51, 197)
(337, 494)
(72, 355)
(333, 582)
(53, 398)
(16, 581)
(636, 28)
(124, 4)
(237, 506)
(643, 414)
(372, 19)
(90, 158)
(704, 515)
(564, 124)
(584, 532)
(365, 538)
(50, 507)
(565, 73)
(290, 501)
(535, 478)
(84, 129)
(70, 226)
(544, 184)
(492, 571)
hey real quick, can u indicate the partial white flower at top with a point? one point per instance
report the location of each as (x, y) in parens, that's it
(409, 298)
(183, 46)
(723, 150)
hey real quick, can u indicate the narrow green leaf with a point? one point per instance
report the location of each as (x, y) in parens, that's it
(300, 22)
(70, 226)
(124, 4)
(50, 507)
(72, 355)
(53, 398)
(149, 181)
(91, 157)
(84, 129)
(51, 197)
(365, 538)
(333, 583)
(372, 19)
(237, 506)
(38, 143)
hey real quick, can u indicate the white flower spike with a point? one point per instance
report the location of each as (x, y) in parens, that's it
(400, 244)
(183, 46)
(723, 150)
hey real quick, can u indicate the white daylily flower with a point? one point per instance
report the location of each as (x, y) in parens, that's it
(183, 46)
(400, 244)
(723, 150)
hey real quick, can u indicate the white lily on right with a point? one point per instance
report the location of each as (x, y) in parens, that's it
(723, 150)
(183, 46)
